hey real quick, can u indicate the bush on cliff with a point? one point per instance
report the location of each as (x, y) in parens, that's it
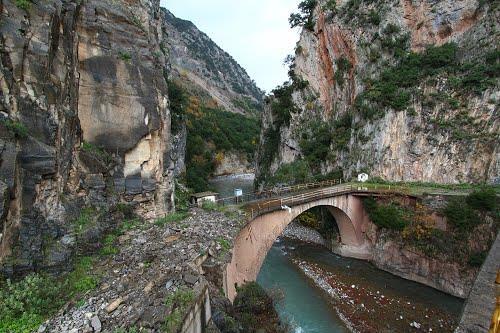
(484, 199)
(25, 304)
(460, 215)
(388, 216)
(305, 16)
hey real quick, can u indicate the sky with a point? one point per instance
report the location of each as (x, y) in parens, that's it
(255, 33)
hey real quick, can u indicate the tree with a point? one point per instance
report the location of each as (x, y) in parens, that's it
(305, 16)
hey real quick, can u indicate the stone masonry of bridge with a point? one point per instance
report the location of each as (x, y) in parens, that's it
(257, 237)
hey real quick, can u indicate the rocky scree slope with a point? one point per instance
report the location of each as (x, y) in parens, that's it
(84, 123)
(204, 67)
(404, 90)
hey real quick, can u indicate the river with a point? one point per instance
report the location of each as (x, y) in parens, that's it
(374, 300)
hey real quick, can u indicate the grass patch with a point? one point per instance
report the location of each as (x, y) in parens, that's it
(209, 206)
(86, 217)
(109, 248)
(171, 218)
(128, 225)
(179, 302)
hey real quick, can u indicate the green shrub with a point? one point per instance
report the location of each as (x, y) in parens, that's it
(224, 243)
(252, 298)
(16, 128)
(388, 216)
(23, 4)
(25, 304)
(86, 217)
(98, 152)
(322, 139)
(125, 56)
(305, 16)
(374, 17)
(460, 215)
(282, 106)
(343, 66)
(484, 199)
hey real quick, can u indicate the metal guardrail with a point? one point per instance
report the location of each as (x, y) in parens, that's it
(273, 199)
(275, 192)
(259, 208)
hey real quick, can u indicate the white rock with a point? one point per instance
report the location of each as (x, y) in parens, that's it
(96, 324)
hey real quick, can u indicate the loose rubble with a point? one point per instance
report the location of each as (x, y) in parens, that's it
(153, 262)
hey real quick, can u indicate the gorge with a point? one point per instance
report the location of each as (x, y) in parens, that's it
(113, 113)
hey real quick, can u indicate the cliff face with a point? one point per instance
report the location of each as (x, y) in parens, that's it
(84, 122)
(404, 90)
(205, 67)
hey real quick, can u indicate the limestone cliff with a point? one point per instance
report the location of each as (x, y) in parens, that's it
(404, 90)
(84, 122)
(204, 66)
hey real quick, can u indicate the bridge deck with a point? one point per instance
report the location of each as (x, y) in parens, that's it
(259, 207)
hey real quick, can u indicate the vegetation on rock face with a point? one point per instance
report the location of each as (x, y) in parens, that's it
(211, 133)
(178, 303)
(16, 128)
(24, 305)
(23, 4)
(178, 103)
(472, 226)
(305, 16)
(322, 140)
(395, 86)
(390, 216)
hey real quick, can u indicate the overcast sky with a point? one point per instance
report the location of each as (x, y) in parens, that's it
(256, 33)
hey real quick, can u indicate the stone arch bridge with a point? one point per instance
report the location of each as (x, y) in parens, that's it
(269, 218)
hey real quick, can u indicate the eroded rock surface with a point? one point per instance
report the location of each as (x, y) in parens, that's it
(429, 139)
(84, 121)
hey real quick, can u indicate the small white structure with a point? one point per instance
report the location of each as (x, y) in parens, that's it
(198, 198)
(363, 177)
(238, 192)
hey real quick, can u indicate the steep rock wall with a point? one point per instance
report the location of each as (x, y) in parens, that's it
(201, 64)
(442, 134)
(84, 122)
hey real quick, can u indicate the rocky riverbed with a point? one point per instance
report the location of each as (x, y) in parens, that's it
(366, 309)
(153, 260)
(298, 232)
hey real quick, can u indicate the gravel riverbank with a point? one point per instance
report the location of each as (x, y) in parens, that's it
(367, 310)
(298, 232)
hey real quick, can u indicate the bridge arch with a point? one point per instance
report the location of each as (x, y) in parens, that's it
(257, 237)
